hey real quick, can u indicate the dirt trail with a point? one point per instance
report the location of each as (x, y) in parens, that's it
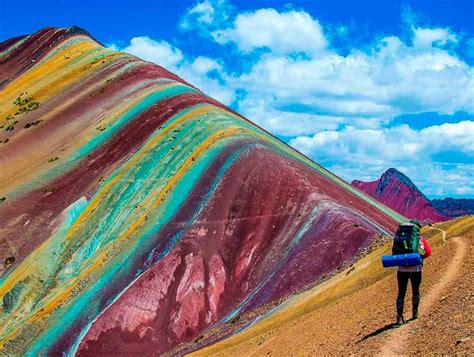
(353, 312)
(397, 339)
(443, 233)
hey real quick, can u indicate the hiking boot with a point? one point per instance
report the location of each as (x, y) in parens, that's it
(400, 321)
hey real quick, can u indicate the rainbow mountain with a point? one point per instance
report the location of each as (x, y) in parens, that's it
(397, 191)
(138, 214)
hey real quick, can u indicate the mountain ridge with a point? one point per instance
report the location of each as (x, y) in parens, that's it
(412, 202)
(454, 207)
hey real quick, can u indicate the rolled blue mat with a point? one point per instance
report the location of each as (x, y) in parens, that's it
(403, 260)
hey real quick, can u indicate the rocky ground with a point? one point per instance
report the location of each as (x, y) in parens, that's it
(353, 313)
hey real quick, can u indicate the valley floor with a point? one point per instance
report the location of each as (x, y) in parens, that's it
(353, 312)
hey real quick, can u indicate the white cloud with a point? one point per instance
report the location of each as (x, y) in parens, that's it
(365, 153)
(204, 12)
(389, 144)
(428, 37)
(285, 123)
(209, 76)
(365, 87)
(464, 190)
(456, 136)
(285, 32)
(204, 65)
(206, 15)
(391, 80)
(160, 52)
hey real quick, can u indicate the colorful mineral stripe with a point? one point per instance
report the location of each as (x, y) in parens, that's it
(137, 213)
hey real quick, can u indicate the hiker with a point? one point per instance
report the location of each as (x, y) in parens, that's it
(412, 273)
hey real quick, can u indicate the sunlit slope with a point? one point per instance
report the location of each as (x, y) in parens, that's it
(351, 313)
(138, 212)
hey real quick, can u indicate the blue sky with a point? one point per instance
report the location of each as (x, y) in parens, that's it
(359, 86)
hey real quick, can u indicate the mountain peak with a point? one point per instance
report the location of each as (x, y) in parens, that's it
(76, 30)
(397, 191)
(394, 173)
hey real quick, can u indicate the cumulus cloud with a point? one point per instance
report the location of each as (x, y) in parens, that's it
(392, 79)
(284, 123)
(206, 15)
(280, 32)
(203, 12)
(411, 151)
(209, 76)
(428, 37)
(300, 72)
(301, 83)
(160, 52)
(390, 144)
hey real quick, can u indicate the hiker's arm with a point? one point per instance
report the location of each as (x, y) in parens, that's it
(427, 248)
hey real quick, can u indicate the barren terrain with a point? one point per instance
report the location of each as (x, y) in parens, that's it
(353, 313)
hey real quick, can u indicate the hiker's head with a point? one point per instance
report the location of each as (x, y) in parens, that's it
(415, 222)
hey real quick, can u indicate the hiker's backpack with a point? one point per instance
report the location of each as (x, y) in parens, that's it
(407, 239)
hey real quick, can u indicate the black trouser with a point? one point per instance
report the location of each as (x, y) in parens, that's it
(415, 279)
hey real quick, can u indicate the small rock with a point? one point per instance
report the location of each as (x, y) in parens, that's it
(9, 261)
(462, 340)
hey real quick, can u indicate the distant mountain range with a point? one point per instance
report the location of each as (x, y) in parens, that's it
(397, 191)
(454, 207)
